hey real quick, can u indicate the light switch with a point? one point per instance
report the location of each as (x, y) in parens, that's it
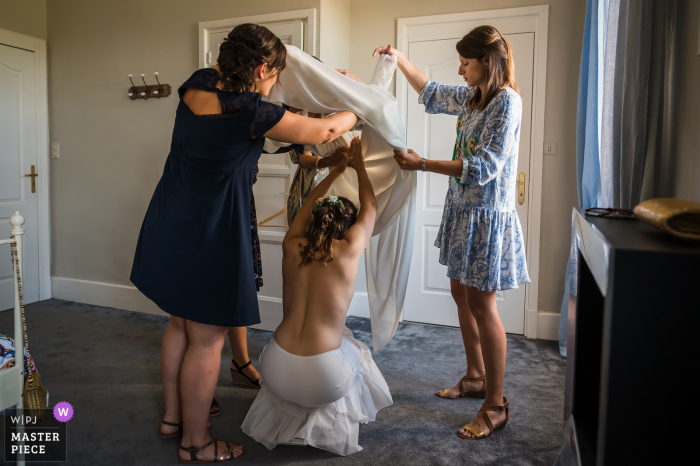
(550, 148)
(54, 150)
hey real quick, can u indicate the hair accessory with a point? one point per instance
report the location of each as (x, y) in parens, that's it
(333, 200)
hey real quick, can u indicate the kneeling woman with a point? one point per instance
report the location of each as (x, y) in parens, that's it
(319, 383)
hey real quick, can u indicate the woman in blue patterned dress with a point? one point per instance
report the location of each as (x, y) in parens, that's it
(480, 237)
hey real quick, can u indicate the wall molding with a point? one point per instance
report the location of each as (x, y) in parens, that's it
(129, 298)
(548, 325)
(123, 297)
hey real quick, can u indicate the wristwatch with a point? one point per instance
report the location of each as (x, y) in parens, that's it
(422, 163)
(318, 159)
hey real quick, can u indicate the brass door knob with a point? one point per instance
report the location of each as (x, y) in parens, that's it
(33, 174)
(521, 188)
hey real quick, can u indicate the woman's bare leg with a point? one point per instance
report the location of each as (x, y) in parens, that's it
(493, 347)
(470, 338)
(172, 353)
(200, 373)
(238, 338)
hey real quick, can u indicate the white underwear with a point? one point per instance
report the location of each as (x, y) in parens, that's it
(316, 400)
(310, 381)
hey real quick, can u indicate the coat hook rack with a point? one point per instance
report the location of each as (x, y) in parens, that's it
(145, 92)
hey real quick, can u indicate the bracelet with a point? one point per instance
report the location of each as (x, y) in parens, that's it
(318, 159)
(422, 163)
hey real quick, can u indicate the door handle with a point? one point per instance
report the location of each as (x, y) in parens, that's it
(33, 174)
(521, 188)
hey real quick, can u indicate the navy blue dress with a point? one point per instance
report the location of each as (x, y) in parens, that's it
(193, 257)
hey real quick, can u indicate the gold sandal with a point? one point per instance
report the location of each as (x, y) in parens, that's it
(500, 426)
(465, 394)
(226, 456)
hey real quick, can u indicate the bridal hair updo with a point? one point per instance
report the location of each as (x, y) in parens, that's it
(246, 47)
(329, 222)
(483, 42)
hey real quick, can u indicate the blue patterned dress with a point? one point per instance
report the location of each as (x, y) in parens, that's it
(480, 237)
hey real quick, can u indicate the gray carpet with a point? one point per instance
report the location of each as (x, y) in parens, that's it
(105, 362)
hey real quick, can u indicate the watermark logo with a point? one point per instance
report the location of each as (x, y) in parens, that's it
(63, 411)
(26, 438)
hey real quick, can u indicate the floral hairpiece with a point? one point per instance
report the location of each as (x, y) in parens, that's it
(333, 200)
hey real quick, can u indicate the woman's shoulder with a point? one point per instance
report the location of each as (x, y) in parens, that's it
(204, 79)
(506, 100)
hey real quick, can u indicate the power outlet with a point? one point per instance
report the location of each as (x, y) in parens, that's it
(550, 148)
(54, 150)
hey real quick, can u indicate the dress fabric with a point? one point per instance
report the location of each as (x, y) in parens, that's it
(301, 187)
(193, 257)
(255, 239)
(309, 84)
(317, 400)
(480, 237)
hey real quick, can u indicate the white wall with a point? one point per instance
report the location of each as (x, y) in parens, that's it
(25, 17)
(335, 33)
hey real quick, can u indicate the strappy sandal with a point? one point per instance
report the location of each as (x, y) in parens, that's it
(226, 456)
(463, 393)
(239, 378)
(500, 426)
(214, 404)
(161, 434)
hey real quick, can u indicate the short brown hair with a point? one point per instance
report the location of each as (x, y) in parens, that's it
(329, 222)
(483, 42)
(246, 47)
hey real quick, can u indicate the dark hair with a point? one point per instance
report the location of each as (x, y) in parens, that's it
(329, 222)
(482, 42)
(246, 47)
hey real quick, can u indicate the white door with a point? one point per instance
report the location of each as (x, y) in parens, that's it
(18, 153)
(289, 32)
(428, 298)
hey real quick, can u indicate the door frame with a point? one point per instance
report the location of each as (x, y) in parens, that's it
(38, 46)
(537, 18)
(308, 16)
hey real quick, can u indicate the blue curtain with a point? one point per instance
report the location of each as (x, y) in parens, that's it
(588, 134)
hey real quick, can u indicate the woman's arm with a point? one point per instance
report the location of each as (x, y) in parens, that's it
(302, 130)
(359, 234)
(309, 161)
(415, 77)
(412, 161)
(303, 218)
(492, 152)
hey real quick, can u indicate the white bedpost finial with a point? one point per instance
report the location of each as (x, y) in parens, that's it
(17, 221)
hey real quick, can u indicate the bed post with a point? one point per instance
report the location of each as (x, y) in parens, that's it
(17, 222)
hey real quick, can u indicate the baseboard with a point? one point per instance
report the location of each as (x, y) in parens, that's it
(131, 299)
(103, 294)
(548, 325)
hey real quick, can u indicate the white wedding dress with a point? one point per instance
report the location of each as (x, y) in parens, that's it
(309, 84)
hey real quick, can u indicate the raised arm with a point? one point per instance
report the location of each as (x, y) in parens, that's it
(359, 234)
(415, 77)
(303, 218)
(303, 130)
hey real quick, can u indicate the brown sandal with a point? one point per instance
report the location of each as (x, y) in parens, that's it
(465, 394)
(226, 456)
(500, 426)
(161, 434)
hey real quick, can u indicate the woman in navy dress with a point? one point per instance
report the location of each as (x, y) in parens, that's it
(193, 257)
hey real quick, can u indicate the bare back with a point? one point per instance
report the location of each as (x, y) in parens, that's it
(316, 298)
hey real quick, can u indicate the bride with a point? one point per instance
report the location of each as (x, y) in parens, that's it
(318, 382)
